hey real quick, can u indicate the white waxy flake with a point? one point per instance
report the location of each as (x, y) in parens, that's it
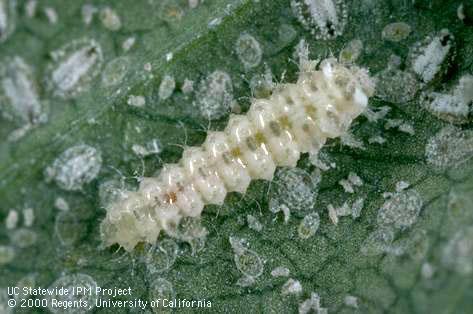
(400, 125)
(308, 226)
(311, 305)
(139, 150)
(376, 114)
(88, 12)
(407, 128)
(348, 139)
(28, 217)
(301, 53)
(402, 185)
(12, 219)
(167, 86)
(151, 147)
(61, 204)
(187, 86)
(51, 14)
(427, 270)
(8, 18)
(110, 19)
(215, 22)
(332, 214)
(275, 207)
(136, 101)
(355, 179)
(461, 12)
(30, 8)
(378, 139)
(356, 207)
(392, 123)
(344, 210)
(254, 223)
(322, 161)
(347, 186)
(351, 301)
(128, 43)
(280, 272)
(291, 287)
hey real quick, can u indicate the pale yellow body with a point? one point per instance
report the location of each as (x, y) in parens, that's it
(297, 118)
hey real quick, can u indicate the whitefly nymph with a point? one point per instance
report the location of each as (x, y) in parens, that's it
(297, 118)
(325, 19)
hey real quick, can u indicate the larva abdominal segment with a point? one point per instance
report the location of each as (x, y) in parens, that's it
(297, 118)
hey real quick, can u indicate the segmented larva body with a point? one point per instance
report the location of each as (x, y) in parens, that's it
(297, 118)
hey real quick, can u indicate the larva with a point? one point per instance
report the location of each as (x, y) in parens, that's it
(296, 118)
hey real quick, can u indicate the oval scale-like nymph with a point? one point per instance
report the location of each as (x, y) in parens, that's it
(296, 118)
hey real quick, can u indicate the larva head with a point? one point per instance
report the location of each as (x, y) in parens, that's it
(338, 93)
(348, 79)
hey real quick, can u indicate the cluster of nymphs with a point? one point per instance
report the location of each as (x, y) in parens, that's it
(297, 118)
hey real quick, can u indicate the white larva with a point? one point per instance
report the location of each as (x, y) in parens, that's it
(296, 118)
(51, 15)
